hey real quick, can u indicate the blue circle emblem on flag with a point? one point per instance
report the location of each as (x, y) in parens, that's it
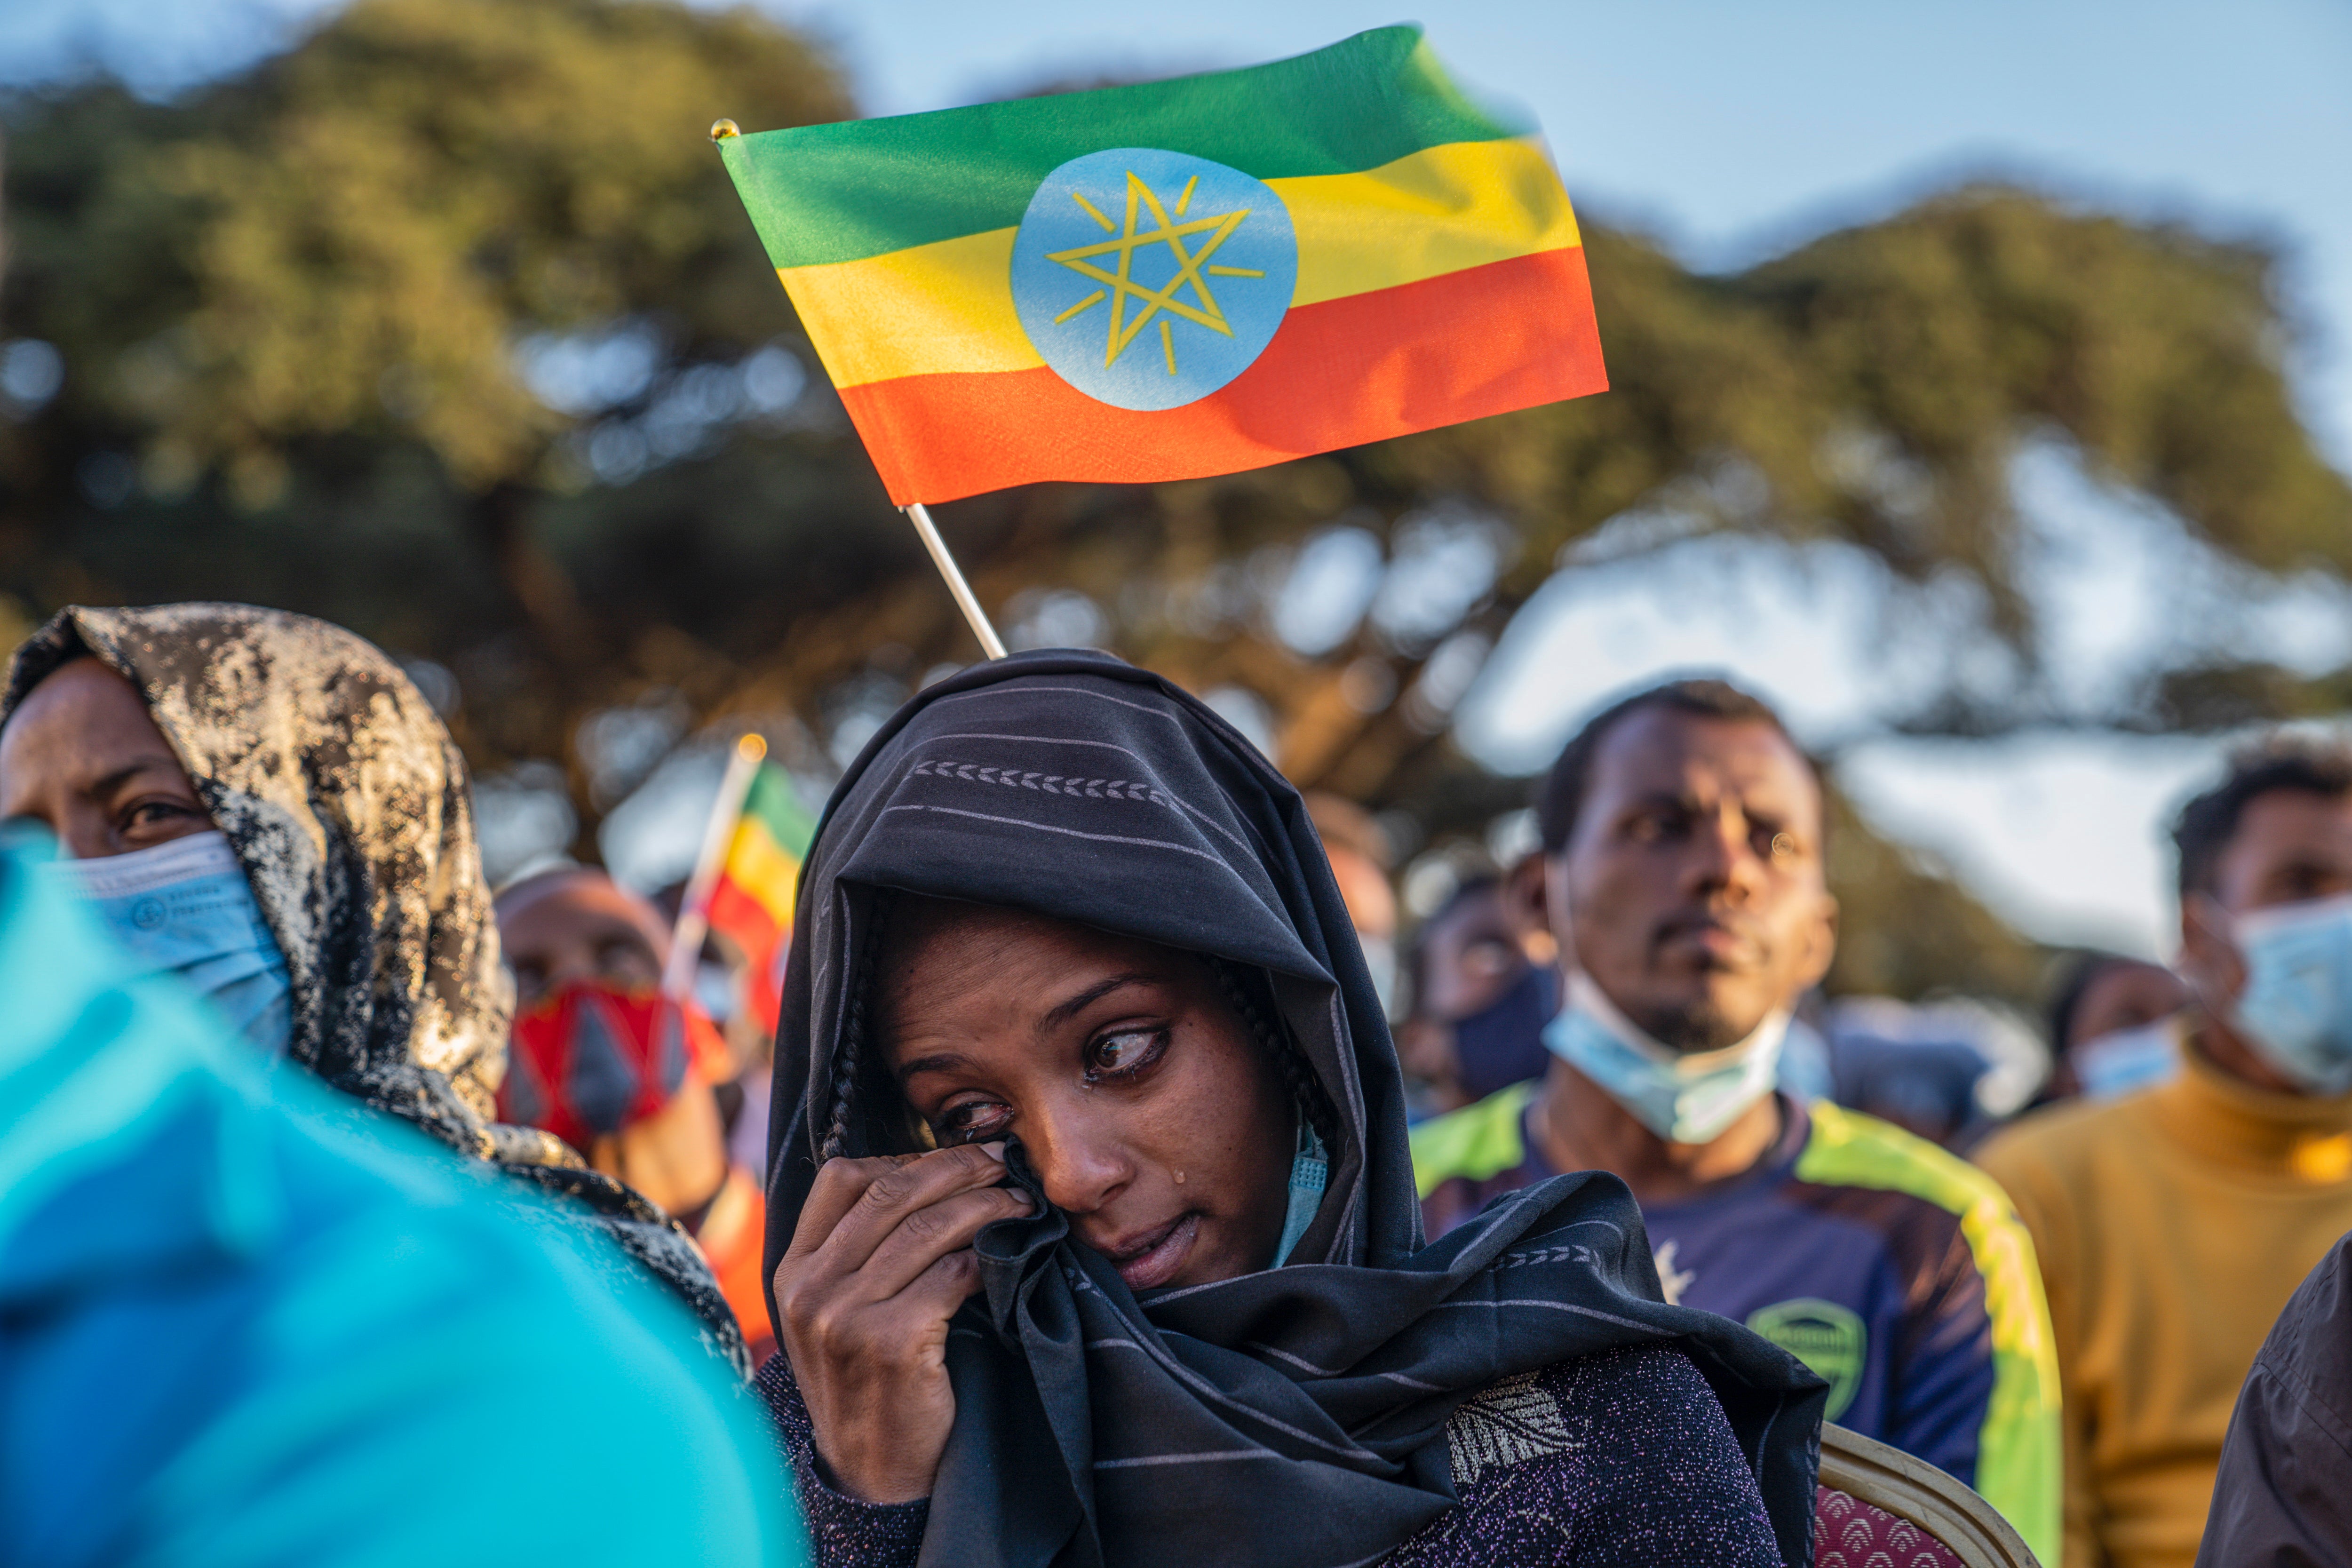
(1148, 279)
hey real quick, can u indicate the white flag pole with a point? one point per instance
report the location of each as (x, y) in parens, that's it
(693, 908)
(993, 645)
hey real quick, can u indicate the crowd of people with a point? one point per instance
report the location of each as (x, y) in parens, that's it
(1130, 1179)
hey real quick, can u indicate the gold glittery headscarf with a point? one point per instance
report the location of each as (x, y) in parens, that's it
(347, 803)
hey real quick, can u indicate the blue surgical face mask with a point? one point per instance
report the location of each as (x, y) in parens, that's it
(1683, 1098)
(2296, 1008)
(185, 909)
(2125, 1062)
(1310, 1173)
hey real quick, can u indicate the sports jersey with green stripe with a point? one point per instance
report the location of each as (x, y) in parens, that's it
(1892, 1267)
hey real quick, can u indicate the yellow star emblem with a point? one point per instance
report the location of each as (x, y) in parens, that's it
(1190, 268)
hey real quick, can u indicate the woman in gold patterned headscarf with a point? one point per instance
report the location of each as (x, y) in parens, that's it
(347, 806)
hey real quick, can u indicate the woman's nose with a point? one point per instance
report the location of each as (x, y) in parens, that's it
(1075, 1148)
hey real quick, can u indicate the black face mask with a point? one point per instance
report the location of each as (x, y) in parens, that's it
(1502, 1044)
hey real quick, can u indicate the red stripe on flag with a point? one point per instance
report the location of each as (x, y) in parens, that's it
(742, 919)
(1482, 341)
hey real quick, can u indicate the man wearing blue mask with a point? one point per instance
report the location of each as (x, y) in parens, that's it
(1479, 1002)
(2113, 1028)
(1684, 837)
(2174, 1223)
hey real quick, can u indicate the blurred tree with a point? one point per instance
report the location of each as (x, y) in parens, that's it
(340, 328)
(1907, 928)
(446, 324)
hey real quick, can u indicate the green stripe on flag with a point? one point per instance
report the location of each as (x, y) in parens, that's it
(775, 806)
(863, 188)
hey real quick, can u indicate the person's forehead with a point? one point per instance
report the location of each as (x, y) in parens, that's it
(2283, 825)
(981, 940)
(1656, 750)
(89, 718)
(970, 968)
(85, 693)
(578, 907)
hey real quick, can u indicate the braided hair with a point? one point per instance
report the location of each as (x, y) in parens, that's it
(1248, 991)
(849, 1055)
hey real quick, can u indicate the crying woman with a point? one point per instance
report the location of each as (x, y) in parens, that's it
(1093, 1237)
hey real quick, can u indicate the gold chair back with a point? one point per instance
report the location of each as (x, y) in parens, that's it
(1869, 1471)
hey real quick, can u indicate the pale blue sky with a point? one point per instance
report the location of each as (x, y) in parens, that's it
(1732, 130)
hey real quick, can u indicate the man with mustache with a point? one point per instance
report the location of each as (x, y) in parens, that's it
(1683, 839)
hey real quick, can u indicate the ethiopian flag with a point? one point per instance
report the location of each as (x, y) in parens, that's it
(1179, 279)
(752, 902)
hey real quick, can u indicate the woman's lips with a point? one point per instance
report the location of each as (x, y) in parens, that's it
(1154, 1260)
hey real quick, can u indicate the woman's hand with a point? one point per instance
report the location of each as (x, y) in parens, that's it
(880, 1261)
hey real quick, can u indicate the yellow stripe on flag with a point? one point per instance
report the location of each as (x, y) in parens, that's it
(943, 307)
(1424, 216)
(947, 308)
(762, 868)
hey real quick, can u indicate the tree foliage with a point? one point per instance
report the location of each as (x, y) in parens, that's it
(446, 324)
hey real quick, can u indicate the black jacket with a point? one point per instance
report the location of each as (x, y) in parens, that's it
(2283, 1498)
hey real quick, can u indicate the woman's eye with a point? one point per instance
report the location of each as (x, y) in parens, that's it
(1127, 1051)
(971, 1122)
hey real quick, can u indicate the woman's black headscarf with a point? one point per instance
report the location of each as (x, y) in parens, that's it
(1293, 1417)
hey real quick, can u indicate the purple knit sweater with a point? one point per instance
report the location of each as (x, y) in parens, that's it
(1621, 1460)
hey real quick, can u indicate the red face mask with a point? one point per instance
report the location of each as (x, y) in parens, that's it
(591, 1059)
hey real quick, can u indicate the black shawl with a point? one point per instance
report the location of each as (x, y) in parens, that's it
(1293, 1417)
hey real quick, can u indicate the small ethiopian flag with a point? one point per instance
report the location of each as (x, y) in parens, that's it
(750, 901)
(1178, 278)
(747, 880)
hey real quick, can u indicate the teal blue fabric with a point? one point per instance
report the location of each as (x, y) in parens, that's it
(245, 1320)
